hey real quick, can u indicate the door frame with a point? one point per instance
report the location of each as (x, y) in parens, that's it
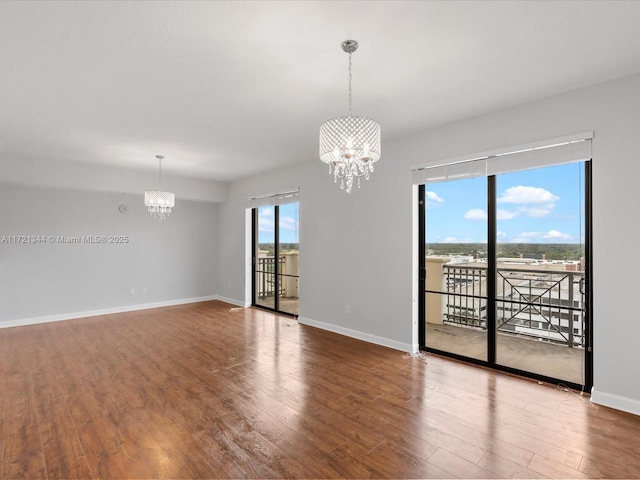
(254, 260)
(491, 293)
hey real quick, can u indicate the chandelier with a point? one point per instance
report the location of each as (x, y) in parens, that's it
(350, 145)
(159, 203)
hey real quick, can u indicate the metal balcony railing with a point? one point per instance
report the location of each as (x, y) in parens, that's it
(542, 304)
(266, 276)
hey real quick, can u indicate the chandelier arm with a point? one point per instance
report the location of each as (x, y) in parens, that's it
(342, 173)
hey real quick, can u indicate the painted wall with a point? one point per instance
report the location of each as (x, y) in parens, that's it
(356, 249)
(162, 262)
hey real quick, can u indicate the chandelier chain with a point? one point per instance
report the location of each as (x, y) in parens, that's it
(350, 76)
(159, 157)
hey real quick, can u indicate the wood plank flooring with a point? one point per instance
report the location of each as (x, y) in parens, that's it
(211, 391)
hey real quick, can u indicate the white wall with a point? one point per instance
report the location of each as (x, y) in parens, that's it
(357, 249)
(174, 259)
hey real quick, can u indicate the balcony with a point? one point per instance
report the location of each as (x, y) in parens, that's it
(540, 315)
(287, 288)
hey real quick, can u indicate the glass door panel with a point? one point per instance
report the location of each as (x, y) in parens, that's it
(265, 258)
(288, 255)
(456, 267)
(540, 321)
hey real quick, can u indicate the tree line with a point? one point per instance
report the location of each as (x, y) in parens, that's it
(551, 251)
(284, 247)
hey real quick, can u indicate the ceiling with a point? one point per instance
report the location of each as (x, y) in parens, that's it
(227, 89)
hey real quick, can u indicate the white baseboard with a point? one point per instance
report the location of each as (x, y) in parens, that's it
(104, 311)
(385, 342)
(625, 404)
(233, 301)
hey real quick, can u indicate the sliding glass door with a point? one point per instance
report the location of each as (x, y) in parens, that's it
(456, 280)
(540, 294)
(505, 268)
(275, 257)
(265, 265)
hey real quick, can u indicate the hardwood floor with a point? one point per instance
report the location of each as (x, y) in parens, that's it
(209, 391)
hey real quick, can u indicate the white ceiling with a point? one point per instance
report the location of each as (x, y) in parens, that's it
(225, 89)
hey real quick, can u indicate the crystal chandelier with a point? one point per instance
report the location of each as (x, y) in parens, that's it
(159, 203)
(350, 145)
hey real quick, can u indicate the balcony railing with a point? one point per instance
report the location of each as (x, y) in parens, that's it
(266, 276)
(287, 278)
(538, 303)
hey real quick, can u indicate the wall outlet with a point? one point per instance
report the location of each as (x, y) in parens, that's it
(347, 309)
(145, 290)
(132, 291)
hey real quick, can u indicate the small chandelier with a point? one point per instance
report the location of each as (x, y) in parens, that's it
(159, 203)
(350, 145)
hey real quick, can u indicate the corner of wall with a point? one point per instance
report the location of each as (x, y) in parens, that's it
(232, 301)
(385, 342)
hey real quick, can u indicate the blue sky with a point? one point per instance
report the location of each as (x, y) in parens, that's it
(535, 206)
(289, 224)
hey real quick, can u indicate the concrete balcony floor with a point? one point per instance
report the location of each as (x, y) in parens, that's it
(523, 353)
(287, 304)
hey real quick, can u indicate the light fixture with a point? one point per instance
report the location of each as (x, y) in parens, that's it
(159, 203)
(350, 145)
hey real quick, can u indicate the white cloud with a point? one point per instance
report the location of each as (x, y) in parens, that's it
(532, 201)
(550, 236)
(506, 214)
(556, 235)
(433, 199)
(288, 223)
(265, 220)
(479, 214)
(526, 237)
(460, 240)
(475, 214)
(534, 195)
(266, 223)
(537, 211)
